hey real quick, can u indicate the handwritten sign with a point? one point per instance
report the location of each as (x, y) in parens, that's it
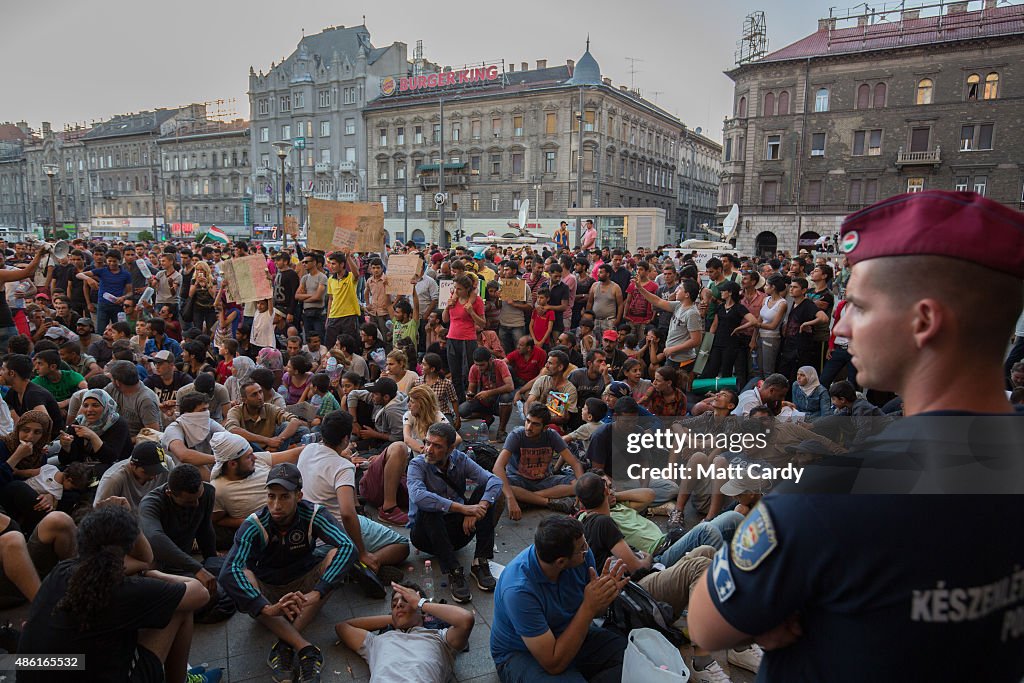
(445, 289)
(346, 226)
(402, 268)
(512, 289)
(291, 226)
(246, 279)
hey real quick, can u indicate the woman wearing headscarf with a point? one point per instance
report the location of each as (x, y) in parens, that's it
(98, 433)
(241, 370)
(809, 396)
(270, 358)
(22, 454)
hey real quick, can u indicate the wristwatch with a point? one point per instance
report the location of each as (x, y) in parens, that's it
(422, 602)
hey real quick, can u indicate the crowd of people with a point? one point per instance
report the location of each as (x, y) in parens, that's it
(170, 456)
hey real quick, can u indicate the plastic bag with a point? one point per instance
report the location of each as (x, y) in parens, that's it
(650, 658)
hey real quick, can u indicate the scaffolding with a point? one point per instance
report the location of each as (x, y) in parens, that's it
(753, 45)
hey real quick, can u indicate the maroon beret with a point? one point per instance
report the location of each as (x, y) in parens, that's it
(960, 225)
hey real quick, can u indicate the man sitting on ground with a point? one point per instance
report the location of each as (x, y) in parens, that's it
(445, 517)
(263, 424)
(390, 653)
(276, 573)
(525, 461)
(188, 437)
(489, 392)
(134, 477)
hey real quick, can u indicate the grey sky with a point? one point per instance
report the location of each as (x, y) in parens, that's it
(67, 61)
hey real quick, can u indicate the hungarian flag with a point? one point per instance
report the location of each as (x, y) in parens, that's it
(215, 234)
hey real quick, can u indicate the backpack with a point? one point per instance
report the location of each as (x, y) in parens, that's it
(484, 454)
(636, 608)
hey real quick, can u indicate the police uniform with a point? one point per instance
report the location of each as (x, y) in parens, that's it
(888, 587)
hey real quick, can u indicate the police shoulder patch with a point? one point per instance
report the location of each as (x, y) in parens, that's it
(721, 575)
(754, 540)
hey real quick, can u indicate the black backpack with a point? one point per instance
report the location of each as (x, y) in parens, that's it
(636, 608)
(484, 454)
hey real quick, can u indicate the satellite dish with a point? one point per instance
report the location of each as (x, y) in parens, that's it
(524, 212)
(729, 224)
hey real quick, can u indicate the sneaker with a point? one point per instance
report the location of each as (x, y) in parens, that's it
(713, 674)
(749, 659)
(372, 586)
(565, 505)
(457, 586)
(481, 573)
(281, 662)
(311, 661)
(675, 519)
(394, 516)
(204, 676)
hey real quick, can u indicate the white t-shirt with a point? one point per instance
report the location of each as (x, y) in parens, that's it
(748, 400)
(391, 656)
(323, 473)
(241, 498)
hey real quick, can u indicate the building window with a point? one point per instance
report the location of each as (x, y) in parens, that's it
(401, 203)
(496, 127)
(863, 96)
(285, 103)
(400, 135)
(973, 87)
(925, 87)
(962, 183)
(495, 164)
(741, 108)
(323, 98)
(920, 138)
(474, 129)
(549, 200)
(817, 144)
(417, 134)
(588, 161)
(350, 95)
(980, 184)
(517, 200)
(286, 132)
(784, 103)
(991, 86)
(867, 142)
(325, 129)
(474, 163)
(770, 193)
(814, 192)
(773, 147)
(435, 133)
(588, 199)
(517, 163)
(769, 105)
(382, 171)
(325, 155)
(298, 100)
(517, 126)
(727, 150)
(495, 202)
(474, 201)
(915, 184)
(417, 203)
(589, 117)
(350, 126)
(382, 137)
(632, 135)
(550, 162)
(263, 107)
(384, 202)
(880, 90)
(350, 154)
(264, 134)
(871, 190)
(399, 170)
(976, 137)
(856, 188)
(821, 100)
(551, 123)
(264, 161)
(456, 132)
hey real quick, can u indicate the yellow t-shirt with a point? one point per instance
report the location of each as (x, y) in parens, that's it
(343, 296)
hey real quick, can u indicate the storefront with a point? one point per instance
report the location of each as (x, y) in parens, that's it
(624, 227)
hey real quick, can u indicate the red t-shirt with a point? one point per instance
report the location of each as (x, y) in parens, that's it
(223, 371)
(541, 323)
(489, 380)
(526, 369)
(638, 309)
(462, 326)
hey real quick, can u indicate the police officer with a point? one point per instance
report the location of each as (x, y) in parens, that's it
(898, 587)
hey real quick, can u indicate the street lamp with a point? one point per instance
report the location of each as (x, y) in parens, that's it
(51, 170)
(282, 147)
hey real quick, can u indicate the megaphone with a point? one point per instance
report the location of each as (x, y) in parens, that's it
(60, 250)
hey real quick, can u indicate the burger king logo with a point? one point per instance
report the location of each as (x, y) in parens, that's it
(388, 86)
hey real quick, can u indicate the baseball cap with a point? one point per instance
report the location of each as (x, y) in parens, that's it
(162, 356)
(618, 389)
(86, 321)
(150, 456)
(610, 335)
(226, 447)
(384, 385)
(285, 475)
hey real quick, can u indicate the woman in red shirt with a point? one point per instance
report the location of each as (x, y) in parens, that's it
(464, 315)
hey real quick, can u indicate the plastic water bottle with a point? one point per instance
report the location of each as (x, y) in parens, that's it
(121, 317)
(333, 371)
(144, 268)
(147, 295)
(428, 579)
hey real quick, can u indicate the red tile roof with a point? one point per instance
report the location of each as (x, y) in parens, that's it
(11, 133)
(885, 35)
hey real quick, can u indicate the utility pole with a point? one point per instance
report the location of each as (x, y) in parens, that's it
(443, 238)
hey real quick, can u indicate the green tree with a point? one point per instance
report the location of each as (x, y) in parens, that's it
(146, 236)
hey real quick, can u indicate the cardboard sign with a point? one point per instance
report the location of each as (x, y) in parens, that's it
(445, 288)
(246, 279)
(402, 268)
(291, 226)
(512, 289)
(346, 226)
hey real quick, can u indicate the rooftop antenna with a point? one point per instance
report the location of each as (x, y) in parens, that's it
(656, 93)
(632, 70)
(753, 44)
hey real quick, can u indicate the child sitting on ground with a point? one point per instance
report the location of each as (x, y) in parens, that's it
(594, 410)
(53, 483)
(322, 398)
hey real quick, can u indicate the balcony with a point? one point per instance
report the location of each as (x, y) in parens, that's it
(348, 196)
(323, 167)
(450, 180)
(347, 166)
(323, 195)
(261, 198)
(262, 172)
(929, 157)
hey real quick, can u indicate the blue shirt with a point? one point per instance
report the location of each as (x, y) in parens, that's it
(528, 604)
(168, 345)
(429, 491)
(114, 283)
